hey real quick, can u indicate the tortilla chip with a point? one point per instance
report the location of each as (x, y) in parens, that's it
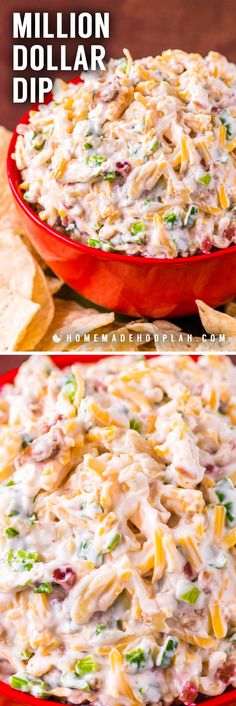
(113, 341)
(16, 314)
(44, 316)
(17, 266)
(215, 321)
(70, 319)
(230, 308)
(165, 335)
(8, 213)
(229, 346)
(54, 284)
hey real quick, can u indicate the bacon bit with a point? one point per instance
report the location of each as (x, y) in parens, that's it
(226, 673)
(230, 232)
(203, 163)
(107, 93)
(123, 168)
(65, 577)
(46, 427)
(99, 386)
(206, 244)
(46, 446)
(189, 572)
(189, 694)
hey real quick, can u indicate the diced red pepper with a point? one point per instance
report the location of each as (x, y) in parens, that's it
(189, 694)
(226, 673)
(206, 244)
(189, 571)
(230, 232)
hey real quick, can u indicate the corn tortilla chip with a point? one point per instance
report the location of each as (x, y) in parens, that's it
(44, 316)
(54, 284)
(165, 335)
(17, 266)
(230, 308)
(69, 319)
(228, 345)
(116, 339)
(215, 321)
(16, 314)
(8, 213)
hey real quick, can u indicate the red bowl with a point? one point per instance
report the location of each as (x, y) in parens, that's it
(134, 286)
(13, 697)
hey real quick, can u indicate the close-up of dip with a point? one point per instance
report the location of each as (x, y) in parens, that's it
(118, 530)
(139, 159)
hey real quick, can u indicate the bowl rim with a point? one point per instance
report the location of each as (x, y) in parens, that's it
(13, 174)
(28, 699)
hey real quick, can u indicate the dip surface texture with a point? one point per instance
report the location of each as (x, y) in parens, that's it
(118, 530)
(139, 159)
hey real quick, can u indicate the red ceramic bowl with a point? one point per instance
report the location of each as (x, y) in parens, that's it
(131, 285)
(12, 697)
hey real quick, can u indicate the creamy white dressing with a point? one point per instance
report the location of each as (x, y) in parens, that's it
(139, 159)
(115, 569)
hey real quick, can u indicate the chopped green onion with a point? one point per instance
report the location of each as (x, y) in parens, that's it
(100, 244)
(190, 217)
(70, 387)
(219, 561)
(137, 227)
(135, 424)
(100, 627)
(167, 652)
(135, 657)
(33, 519)
(26, 655)
(187, 592)
(205, 179)
(129, 238)
(114, 539)
(91, 510)
(124, 67)
(10, 483)
(155, 146)
(96, 159)
(11, 532)
(13, 513)
(226, 493)
(21, 560)
(87, 552)
(26, 440)
(226, 120)
(110, 176)
(83, 549)
(88, 146)
(171, 219)
(38, 142)
(43, 588)
(19, 683)
(85, 665)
